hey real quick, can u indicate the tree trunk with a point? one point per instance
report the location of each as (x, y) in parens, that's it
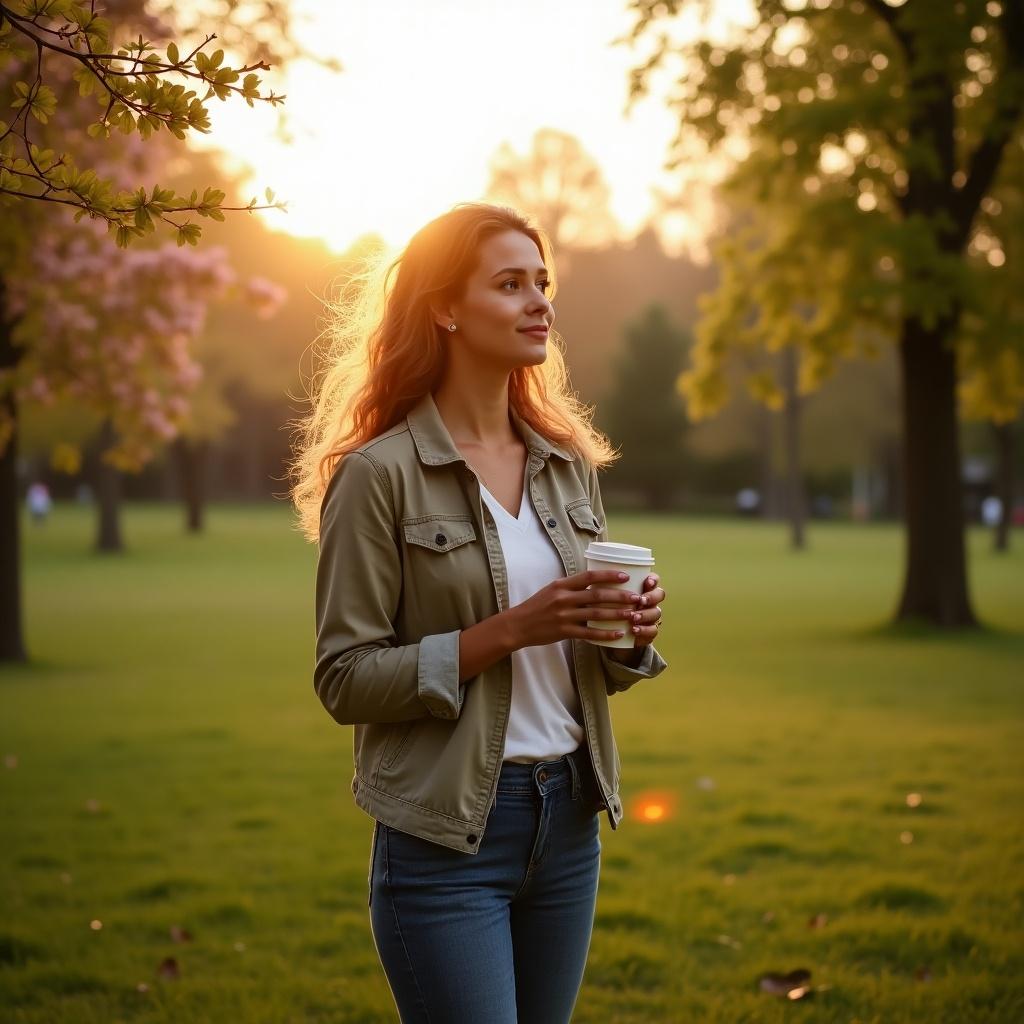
(191, 458)
(12, 645)
(1004, 483)
(935, 580)
(795, 503)
(766, 463)
(108, 494)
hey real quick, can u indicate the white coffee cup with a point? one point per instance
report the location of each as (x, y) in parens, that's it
(638, 562)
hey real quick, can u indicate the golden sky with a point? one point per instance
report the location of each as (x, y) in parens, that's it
(429, 91)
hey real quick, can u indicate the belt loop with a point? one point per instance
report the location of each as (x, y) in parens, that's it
(575, 776)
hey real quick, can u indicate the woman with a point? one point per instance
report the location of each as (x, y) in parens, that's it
(451, 480)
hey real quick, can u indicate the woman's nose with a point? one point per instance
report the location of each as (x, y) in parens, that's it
(542, 302)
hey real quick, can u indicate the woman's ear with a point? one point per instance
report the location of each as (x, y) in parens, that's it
(443, 317)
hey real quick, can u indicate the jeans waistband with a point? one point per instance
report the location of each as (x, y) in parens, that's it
(544, 776)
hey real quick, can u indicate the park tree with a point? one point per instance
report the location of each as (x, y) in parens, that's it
(559, 184)
(991, 345)
(643, 412)
(92, 111)
(871, 147)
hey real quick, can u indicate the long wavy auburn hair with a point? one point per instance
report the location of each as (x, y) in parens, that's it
(384, 352)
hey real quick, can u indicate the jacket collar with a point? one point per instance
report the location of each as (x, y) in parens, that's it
(435, 447)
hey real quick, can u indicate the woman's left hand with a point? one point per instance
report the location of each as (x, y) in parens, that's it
(645, 619)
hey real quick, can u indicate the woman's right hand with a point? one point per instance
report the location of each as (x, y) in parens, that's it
(560, 610)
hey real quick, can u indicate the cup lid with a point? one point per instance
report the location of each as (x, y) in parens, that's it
(630, 554)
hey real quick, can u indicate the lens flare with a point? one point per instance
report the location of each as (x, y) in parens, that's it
(653, 808)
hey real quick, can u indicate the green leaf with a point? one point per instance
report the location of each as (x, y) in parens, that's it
(172, 53)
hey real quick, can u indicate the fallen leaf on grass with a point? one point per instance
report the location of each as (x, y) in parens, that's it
(923, 974)
(914, 799)
(793, 985)
(818, 921)
(179, 934)
(728, 940)
(11, 761)
(706, 783)
(168, 968)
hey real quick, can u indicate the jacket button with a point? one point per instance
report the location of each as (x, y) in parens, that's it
(440, 539)
(471, 840)
(551, 522)
(542, 776)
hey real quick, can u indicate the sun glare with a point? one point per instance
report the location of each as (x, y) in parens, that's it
(653, 808)
(427, 94)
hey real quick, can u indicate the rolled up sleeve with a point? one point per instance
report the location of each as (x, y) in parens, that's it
(618, 676)
(361, 673)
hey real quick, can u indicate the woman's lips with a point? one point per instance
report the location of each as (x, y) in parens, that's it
(537, 332)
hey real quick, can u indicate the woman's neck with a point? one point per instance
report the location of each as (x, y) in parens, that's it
(476, 415)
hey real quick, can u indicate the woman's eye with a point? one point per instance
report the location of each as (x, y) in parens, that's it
(542, 285)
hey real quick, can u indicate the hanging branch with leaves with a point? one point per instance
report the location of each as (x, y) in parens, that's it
(136, 90)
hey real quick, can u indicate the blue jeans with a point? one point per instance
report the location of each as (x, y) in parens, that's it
(500, 936)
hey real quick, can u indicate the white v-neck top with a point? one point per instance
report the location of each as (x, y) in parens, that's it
(545, 719)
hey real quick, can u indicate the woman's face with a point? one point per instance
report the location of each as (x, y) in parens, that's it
(504, 296)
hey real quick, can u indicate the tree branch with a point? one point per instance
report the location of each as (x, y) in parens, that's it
(1009, 104)
(890, 15)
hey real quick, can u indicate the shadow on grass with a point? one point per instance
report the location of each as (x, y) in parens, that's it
(923, 631)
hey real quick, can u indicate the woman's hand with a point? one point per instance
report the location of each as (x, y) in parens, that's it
(560, 610)
(646, 620)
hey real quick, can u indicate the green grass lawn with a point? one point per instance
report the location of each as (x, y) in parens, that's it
(168, 764)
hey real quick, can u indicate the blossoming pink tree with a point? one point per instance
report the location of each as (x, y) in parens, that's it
(110, 326)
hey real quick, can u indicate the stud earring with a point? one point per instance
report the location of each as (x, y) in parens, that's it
(451, 327)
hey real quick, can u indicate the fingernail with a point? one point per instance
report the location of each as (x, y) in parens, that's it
(623, 575)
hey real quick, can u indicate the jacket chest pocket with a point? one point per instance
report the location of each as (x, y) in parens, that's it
(443, 564)
(582, 515)
(439, 534)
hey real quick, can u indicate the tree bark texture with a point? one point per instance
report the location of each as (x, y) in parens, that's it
(935, 580)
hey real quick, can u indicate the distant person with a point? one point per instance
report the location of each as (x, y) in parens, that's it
(38, 501)
(991, 511)
(748, 501)
(451, 480)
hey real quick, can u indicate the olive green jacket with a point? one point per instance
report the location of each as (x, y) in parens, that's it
(409, 556)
